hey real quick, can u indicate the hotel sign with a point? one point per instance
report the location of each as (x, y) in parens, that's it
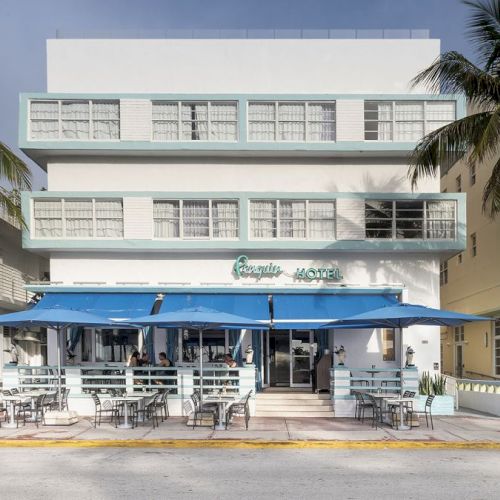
(244, 269)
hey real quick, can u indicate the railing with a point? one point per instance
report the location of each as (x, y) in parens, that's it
(478, 385)
(4, 215)
(345, 380)
(12, 283)
(83, 380)
(250, 33)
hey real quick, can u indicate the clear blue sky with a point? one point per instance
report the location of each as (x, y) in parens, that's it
(26, 24)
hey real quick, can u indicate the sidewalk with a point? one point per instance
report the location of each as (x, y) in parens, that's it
(463, 428)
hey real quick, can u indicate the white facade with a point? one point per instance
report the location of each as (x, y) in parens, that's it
(344, 166)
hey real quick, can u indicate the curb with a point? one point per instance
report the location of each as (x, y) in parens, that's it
(257, 444)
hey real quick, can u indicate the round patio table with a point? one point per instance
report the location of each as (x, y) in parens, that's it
(223, 402)
(126, 399)
(400, 402)
(11, 423)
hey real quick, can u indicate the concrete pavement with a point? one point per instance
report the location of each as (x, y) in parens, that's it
(462, 428)
(110, 473)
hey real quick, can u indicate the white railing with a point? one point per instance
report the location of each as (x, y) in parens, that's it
(4, 215)
(12, 282)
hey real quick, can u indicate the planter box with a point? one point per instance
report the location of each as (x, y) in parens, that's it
(442, 405)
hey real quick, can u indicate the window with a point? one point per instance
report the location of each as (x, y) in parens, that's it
(389, 353)
(214, 346)
(292, 219)
(459, 333)
(458, 184)
(472, 174)
(405, 120)
(410, 219)
(497, 347)
(460, 258)
(195, 121)
(443, 273)
(196, 219)
(291, 121)
(75, 119)
(112, 345)
(78, 218)
(473, 244)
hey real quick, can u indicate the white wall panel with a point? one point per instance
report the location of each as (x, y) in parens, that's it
(350, 219)
(350, 120)
(135, 119)
(138, 218)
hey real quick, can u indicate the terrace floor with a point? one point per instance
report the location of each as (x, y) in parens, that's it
(464, 426)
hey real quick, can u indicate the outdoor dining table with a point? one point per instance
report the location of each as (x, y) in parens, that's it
(223, 402)
(11, 423)
(127, 399)
(381, 398)
(401, 402)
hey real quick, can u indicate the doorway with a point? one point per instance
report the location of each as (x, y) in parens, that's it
(459, 361)
(290, 358)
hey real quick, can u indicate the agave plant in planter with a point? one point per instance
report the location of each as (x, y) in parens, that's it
(428, 385)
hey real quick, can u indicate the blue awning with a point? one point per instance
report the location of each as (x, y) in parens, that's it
(116, 306)
(252, 306)
(310, 311)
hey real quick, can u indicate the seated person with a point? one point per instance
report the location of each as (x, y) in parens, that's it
(144, 359)
(134, 359)
(164, 361)
(230, 362)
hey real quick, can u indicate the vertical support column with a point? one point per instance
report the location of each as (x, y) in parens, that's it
(129, 379)
(74, 380)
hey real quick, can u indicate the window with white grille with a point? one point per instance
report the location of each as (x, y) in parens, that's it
(77, 218)
(410, 219)
(195, 121)
(291, 121)
(196, 219)
(405, 121)
(75, 120)
(292, 219)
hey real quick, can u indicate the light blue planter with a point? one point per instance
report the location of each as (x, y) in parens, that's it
(442, 405)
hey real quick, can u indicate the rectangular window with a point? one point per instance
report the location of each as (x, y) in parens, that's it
(292, 219)
(78, 218)
(459, 333)
(115, 346)
(497, 347)
(443, 273)
(472, 174)
(405, 120)
(389, 351)
(295, 121)
(214, 346)
(196, 219)
(460, 258)
(195, 121)
(75, 119)
(458, 184)
(410, 219)
(473, 244)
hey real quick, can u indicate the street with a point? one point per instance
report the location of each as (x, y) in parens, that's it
(117, 473)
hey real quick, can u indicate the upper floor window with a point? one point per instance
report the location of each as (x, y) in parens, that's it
(405, 120)
(291, 121)
(196, 219)
(473, 244)
(407, 219)
(292, 219)
(443, 273)
(78, 218)
(458, 184)
(195, 121)
(75, 120)
(472, 174)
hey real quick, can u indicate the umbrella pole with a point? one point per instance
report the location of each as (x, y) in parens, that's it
(58, 330)
(201, 366)
(401, 354)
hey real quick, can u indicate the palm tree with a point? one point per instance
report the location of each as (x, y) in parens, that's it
(18, 177)
(477, 136)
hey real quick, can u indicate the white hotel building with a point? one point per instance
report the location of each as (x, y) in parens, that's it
(168, 160)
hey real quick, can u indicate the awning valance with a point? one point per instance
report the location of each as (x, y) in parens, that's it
(115, 306)
(252, 306)
(310, 311)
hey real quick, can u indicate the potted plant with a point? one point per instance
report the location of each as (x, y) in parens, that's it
(249, 355)
(340, 352)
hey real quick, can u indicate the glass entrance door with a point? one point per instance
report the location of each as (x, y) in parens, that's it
(459, 362)
(301, 357)
(279, 357)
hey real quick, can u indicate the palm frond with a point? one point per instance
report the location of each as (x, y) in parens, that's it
(446, 145)
(13, 169)
(10, 202)
(483, 30)
(489, 141)
(453, 73)
(491, 193)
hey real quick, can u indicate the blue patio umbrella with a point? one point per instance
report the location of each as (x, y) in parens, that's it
(56, 319)
(200, 318)
(402, 316)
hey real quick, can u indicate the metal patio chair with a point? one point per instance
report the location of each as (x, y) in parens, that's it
(149, 412)
(197, 416)
(105, 408)
(162, 404)
(241, 408)
(427, 412)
